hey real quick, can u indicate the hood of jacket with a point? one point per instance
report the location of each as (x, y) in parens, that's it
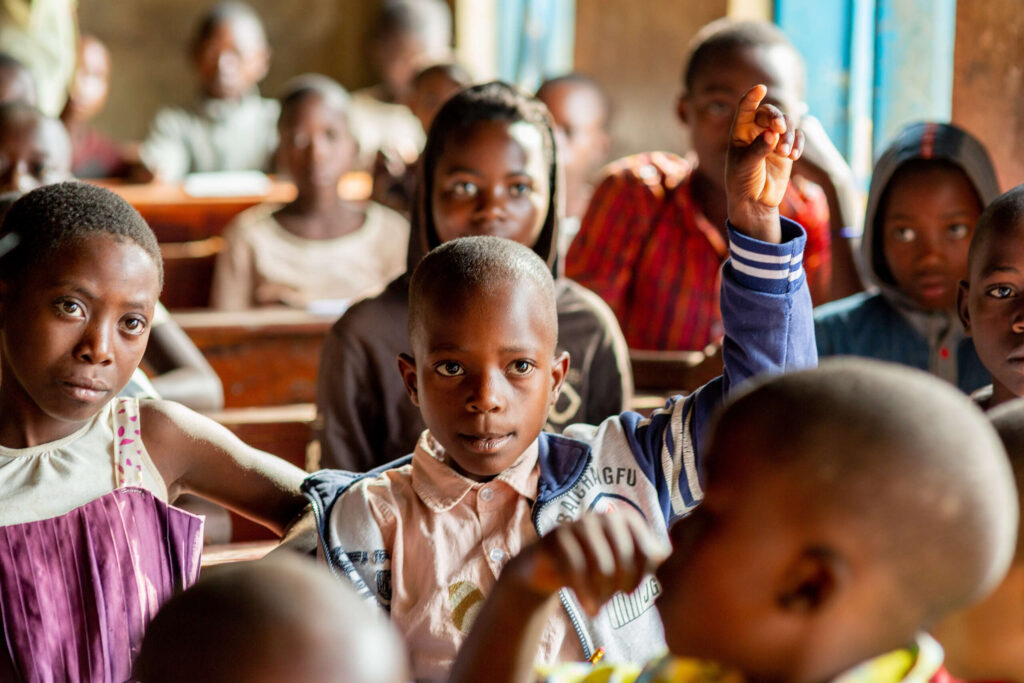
(930, 140)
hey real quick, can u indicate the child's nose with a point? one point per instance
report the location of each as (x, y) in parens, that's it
(491, 203)
(95, 346)
(486, 396)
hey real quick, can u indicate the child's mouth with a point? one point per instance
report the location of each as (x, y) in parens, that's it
(485, 443)
(85, 391)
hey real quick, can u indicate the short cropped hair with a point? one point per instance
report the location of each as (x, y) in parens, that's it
(453, 71)
(54, 217)
(579, 80)
(428, 20)
(891, 455)
(222, 12)
(470, 265)
(299, 88)
(1008, 419)
(1004, 215)
(727, 34)
(286, 618)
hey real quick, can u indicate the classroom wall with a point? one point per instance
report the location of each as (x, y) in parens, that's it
(635, 49)
(988, 81)
(148, 42)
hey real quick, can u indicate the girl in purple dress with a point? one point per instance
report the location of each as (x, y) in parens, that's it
(90, 546)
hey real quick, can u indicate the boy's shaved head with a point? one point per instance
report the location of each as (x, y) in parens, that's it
(226, 12)
(724, 35)
(462, 267)
(1008, 419)
(888, 459)
(1004, 216)
(285, 619)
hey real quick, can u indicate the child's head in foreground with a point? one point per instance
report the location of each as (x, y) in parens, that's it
(727, 58)
(488, 168)
(271, 621)
(927, 190)
(990, 299)
(483, 331)
(408, 35)
(846, 508)
(580, 110)
(316, 146)
(432, 87)
(230, 51)
(16, 83)
(77, 296)
(35, 149)
(986, 641)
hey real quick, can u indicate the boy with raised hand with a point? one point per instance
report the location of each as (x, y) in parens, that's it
(427, 536)
(846, 509)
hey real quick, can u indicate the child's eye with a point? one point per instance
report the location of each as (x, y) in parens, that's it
(520, 189)
(449, 368)
(959, 231)
(464, 189)
(521, 367)
(718, 109)
(134, 325)
(904, 234)
(70, 308)
(999, 292)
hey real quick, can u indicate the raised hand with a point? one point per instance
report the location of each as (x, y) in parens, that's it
(597, 556)
(763, 145)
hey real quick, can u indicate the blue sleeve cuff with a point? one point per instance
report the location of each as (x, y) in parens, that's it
(767, 267)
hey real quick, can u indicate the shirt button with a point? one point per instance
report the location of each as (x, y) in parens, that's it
(497, 554)
(486, 495)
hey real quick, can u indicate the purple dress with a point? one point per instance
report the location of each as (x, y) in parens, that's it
(78, 590)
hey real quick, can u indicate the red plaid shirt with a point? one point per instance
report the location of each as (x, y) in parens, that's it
(645, 247)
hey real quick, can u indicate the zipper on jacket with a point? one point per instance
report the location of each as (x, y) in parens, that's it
(318, 518)
(562, 595)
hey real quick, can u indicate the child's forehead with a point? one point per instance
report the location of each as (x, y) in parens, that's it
(998, 247)
(777, 63)
(476, 143)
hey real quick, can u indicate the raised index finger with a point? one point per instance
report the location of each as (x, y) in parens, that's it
(746, 113)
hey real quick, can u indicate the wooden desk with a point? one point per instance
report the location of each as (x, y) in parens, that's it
(665, 373)
(264, 357)
(179, 217)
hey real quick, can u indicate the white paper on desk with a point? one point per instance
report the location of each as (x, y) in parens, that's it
(328, 307)
(227, 184)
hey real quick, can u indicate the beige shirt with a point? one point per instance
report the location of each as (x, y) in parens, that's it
(449, 537)
(263, 264)
(54, 478)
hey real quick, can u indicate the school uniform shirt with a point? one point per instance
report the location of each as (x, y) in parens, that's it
(426, 505)
(645, 247)
(264, 264)
(650, 463)
(213, 135)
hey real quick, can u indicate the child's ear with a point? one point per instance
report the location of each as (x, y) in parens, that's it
(407, 366)
(961, 306)
(683, 109)
(813, 578)
(559, 369)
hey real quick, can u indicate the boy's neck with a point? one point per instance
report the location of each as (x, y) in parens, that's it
(710, 198)
(320, 215)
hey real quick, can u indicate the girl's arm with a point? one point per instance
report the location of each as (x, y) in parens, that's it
(195, 454)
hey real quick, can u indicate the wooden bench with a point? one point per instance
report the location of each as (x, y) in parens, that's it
(188, 272)
(176, 216)
(660, 374)
(264, 357)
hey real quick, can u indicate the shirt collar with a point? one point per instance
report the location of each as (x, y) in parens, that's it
(441, 487)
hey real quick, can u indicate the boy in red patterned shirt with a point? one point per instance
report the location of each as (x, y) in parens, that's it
(651, 243)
